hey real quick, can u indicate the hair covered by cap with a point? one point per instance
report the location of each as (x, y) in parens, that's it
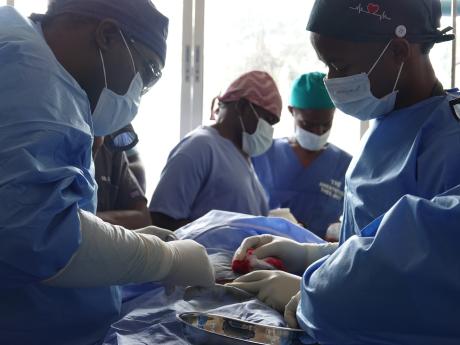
(258, 88)
(138, 18)
(309, 92)
(378, 20)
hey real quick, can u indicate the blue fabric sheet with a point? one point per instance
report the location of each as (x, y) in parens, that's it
(150, 318)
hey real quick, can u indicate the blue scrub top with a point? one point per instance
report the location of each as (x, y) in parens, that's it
(413, 151)
(206, 172)
(46, 175)
(314, 193)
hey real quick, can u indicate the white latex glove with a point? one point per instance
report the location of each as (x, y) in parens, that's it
(274, 288)
(290, 312)
(191, 265)
(112, 255)
(164, 234)
(296, 256)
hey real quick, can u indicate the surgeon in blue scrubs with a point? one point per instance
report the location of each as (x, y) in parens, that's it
(75, 72)
(210, 169)
(305, 173)
(395, 278)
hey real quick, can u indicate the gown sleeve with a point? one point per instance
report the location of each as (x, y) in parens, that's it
(396, 283)
(45, 163)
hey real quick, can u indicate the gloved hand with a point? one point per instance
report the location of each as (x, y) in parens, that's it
(163, 234)
(112, 255)
(191, 265)
(295, 256)
(274, 288)
(290, 312)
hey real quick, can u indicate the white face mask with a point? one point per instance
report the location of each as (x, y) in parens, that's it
(311, 141)
(114, 111)
(353, 96)
(261, 140)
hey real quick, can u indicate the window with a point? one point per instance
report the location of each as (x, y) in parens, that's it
(27, 7)
(264, 36)
(158, 121)
(211, 43)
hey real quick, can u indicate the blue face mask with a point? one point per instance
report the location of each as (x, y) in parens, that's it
(353, 96)
(114, 111)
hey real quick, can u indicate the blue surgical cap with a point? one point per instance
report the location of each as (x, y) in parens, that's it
(138, 18)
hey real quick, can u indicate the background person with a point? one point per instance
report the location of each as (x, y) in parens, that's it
(211, 167)
(305, 173)
(120, 198)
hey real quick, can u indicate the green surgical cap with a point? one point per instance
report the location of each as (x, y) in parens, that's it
(309, 92)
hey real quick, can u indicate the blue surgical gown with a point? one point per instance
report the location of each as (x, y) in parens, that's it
(395, 278)
(314, 194)
(206, 172)
(397, 282)
(414, 151)
(45, 177)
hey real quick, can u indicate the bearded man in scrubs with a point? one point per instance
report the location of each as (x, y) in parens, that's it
(210, 169)
(306, 173)
(395, 277)
(75, 72)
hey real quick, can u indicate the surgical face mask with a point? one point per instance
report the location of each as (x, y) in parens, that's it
(353, 96)
(114, 111)
(311, 141)
(261, 140)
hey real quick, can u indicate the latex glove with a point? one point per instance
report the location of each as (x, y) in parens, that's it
(164, 234)
(333, 232)
(290, 312)
(191, 265)
(112, 255)
(274, 288)
(295, 256)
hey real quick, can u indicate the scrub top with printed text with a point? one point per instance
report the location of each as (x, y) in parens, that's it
(206, 172)
(314, 194)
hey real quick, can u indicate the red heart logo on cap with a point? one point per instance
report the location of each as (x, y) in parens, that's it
(373, 8)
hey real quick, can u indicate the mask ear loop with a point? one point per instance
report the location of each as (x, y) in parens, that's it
(380, 57)
(214, 111)
(399, 75)
(103, 68)
(242, 124)
(129, 51)
(254, 110)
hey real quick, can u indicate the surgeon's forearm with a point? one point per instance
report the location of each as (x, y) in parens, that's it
(130, 219)
(111, 255)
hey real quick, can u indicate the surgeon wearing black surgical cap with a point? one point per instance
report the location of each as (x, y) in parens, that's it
(394, 276)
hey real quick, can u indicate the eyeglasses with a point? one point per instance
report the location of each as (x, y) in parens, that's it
(152, 70)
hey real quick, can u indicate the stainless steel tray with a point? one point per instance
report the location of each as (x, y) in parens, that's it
(202, 328)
